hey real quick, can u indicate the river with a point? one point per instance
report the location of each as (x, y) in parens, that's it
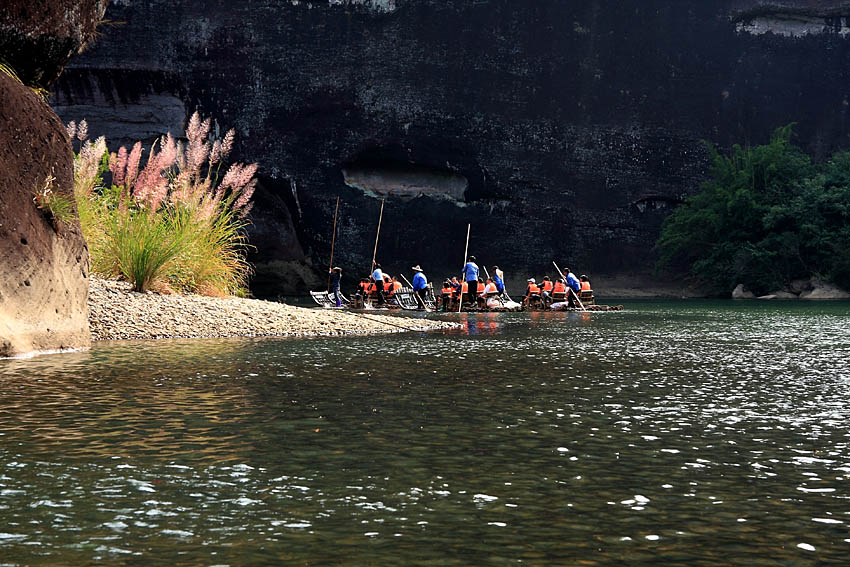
(676, 432)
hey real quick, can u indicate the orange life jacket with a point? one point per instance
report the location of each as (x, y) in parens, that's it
(585, 286)
(480, 287)
(364, 286)
(446, 290)
(559, 287)
(396, 286)
(464, 288)
(371, 288)
(547, 285)
(532, 288)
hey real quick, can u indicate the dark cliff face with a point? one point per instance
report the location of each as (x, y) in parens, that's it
(560, 130)
(38, 37)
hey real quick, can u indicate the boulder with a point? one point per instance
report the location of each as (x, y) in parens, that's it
(823, 290)
(740, 292)
(38, 37)
(44, 272)
(799, 286)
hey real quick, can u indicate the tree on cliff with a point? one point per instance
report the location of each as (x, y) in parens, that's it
(767, 216)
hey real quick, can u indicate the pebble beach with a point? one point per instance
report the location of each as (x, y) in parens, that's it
(117, 313)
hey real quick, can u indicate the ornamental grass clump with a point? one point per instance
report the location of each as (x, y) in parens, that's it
(174, 224)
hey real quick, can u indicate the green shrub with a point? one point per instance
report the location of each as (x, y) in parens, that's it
(767, 216)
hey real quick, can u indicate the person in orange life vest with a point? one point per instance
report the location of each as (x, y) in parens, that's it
(446, 294)
(363, 287)
(393, 286)
(490, 289)
(531, 290)
(480, 288)
(585, 283)
(372, 291)
(546, 288)
(559, 287)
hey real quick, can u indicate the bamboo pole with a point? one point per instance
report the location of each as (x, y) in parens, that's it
(569, 289)
(377, 235)
(465, 252)
(333, 242)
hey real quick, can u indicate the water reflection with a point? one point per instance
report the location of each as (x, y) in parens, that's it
(706, 434)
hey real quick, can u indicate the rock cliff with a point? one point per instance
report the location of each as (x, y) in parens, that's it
(44, 271)
(559, 129)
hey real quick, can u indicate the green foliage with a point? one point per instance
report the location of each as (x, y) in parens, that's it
(193, 244)
(57, 207)
(142, 245)
(767, 216)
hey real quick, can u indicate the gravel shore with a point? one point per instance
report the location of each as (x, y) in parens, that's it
(115, 312)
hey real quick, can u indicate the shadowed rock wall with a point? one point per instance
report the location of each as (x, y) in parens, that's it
(45, 262)
(559, 129)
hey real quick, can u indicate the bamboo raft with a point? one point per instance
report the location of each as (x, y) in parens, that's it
(406, 299)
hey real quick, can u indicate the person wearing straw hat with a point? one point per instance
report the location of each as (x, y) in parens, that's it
(420, 284)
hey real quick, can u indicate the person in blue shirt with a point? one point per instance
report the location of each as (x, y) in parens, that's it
(378, 280)
(336, 276)
(470, 276)
(574, 285)
(572, 281)
(499, 279)
(420, 284)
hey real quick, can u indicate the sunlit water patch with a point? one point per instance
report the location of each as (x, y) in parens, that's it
(693, 433)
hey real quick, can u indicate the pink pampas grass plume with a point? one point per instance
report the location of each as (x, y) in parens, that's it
(118, 166)
(82, 130)
(133, 164)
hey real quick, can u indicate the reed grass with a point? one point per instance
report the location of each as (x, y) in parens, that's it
(166, 225)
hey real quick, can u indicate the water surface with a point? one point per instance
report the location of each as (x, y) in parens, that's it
(676, 433)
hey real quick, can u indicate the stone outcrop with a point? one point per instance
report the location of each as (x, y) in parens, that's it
(812, 288)
(38, 37)
(559, 130)
(740, 292)
(823, 290)
(44, 271)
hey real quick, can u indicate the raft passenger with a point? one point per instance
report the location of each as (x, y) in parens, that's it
(531, 291)
(559, 287)
(446, 293)
(499, 279)
(546, 289)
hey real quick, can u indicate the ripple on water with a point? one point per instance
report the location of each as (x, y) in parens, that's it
(721, 426)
